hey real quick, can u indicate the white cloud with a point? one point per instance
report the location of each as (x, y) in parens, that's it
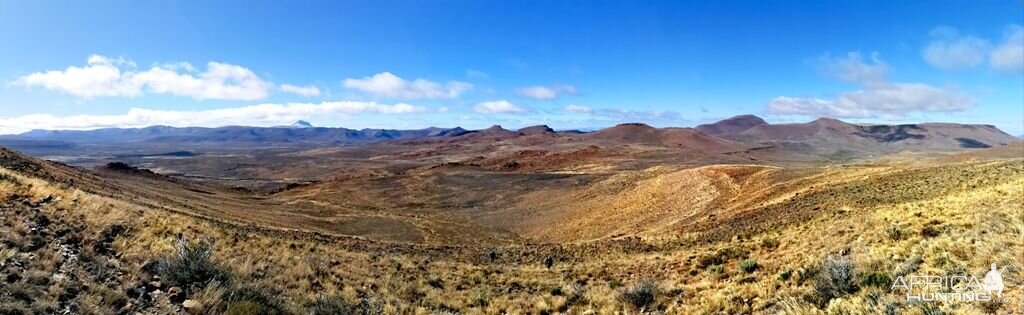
(546, 92)
(253, 115)
(852, 68)
(389, 85)
(877, 98)
(949, 50)
(309, 90)
(102, 76)
(1009, 55)
(573, 108)
(888, 100)
(627, 115)
(811, 106)
(498, 107)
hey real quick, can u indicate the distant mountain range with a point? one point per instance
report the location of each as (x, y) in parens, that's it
(820, 137)
(300, 132)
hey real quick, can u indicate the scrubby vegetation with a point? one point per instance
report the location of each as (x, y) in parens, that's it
(641, 296)
(66, 250)
(190, 265)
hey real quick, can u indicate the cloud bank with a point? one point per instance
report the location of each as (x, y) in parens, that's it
(103, 76)
(308, 91)
(546, 92)
(386, 84)
(253, 115)
(498, 107)
(1009, 55)
(951, 50)
(878, 98)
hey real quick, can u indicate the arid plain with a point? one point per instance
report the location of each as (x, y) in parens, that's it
(734, 217)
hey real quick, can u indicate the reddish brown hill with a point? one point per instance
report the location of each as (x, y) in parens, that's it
(630, 132)
(829, 136)
(636, 133)
(732, 125)
(536, 130)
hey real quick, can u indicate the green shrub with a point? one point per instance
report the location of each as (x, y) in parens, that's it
(614, 284)
(556, 291)
(748, 265)
(190, 265)
(770, 243)
(435, 282)
(716, 269)
(480, 299)
(876, 279)
(785, 275)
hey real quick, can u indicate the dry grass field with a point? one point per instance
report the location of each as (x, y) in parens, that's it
(662, 239)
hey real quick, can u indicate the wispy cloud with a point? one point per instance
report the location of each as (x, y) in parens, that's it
(498, 107)
(308, 91)
(628, 115)
(103, 76)
(952, 51)
(853, 68)
(386, 84)
(573, 108)
(546, 92)
(1009, 55)
(253, 115)
(877, 98)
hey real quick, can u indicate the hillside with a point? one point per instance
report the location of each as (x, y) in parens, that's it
(830, 137)
(732, 125)
(463, 238)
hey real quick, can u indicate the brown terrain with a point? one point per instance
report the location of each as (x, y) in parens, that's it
(504, 216)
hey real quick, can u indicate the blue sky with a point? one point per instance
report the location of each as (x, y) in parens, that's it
(568, 64)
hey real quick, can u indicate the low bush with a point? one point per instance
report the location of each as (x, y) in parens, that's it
(894, 233)
(190, 265)
(834, 278)
(721, 256)
(716, 269)
(480, 299)
(641, 295)
(577, 295)
(330, 305)
(748, 265)
(876, 279)
(435, 282)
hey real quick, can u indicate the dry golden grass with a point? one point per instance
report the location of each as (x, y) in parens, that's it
(975, 221)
